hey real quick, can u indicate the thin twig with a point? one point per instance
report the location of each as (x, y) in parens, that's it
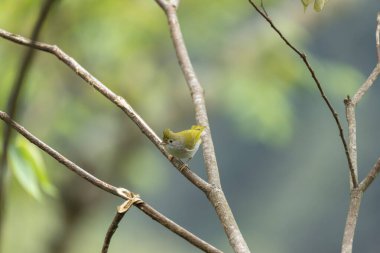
(110, 95)
(132, 199)
(206, 247)
(370, 177)
(263, 7)
(366, 85)
(147, 209)
(215, 194)
(320, 89)
(13, 101)
(111, 230)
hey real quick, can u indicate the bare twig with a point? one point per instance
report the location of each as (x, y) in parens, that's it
(263, 7)
(147, 209)
(215, 194)
(111, 230)
(178, 230)
(370, 177)
(110, 95)
(13, 101)
(320, 89)
(366, 85)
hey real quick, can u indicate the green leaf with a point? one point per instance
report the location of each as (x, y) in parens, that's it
(23, 173)
(306, 3)
(34, 156)
(29, 168)
(319, 4)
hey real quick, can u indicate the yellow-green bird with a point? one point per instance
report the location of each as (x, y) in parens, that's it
(184, 144)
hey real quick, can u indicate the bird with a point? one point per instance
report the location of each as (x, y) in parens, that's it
(184, 144)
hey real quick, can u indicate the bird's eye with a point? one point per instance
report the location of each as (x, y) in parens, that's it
(170, 141)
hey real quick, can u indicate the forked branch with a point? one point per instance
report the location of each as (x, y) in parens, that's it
(353, 174)
(357, 193)
(357, 189)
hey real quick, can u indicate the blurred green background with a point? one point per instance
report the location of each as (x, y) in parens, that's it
(281, 162)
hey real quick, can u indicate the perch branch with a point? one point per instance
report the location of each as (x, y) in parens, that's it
(215, 194)
(143, 206)
(320, 89)
(110, 95)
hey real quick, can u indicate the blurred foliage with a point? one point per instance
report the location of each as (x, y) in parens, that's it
(262, 105)
(29, 168)
(318, 4)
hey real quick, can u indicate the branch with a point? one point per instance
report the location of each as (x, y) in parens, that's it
(111, 230)
(366, 85)
(110, 95)
(357, 193)
(147, 209)
(320, 89)
(352, 218)
(14, 96)
(352, 148)
(215, 194)
(375, 72)
(370, 177)
(196, 92)
(351, 104)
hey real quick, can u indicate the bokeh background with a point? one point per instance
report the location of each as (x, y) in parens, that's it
(281, 161)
